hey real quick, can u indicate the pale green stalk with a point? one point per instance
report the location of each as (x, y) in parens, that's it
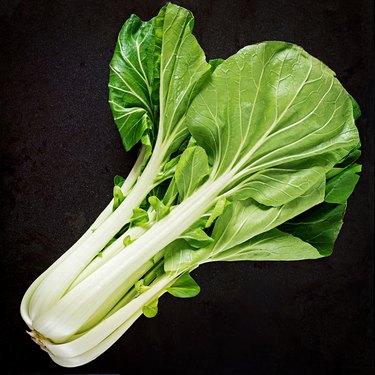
(97, 340)
(125, 188)
(68, 314)
(55, 284)
(111, 250)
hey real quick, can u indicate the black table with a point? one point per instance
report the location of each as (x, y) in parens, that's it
(60, 151)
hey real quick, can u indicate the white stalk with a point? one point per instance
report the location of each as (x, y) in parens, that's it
(111, 250)
(96, 351)
(127, 185)
(112, 301)
(97, 340)
(65, 318)
(55, 284)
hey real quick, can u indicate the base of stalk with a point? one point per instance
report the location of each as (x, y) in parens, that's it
(38, 339)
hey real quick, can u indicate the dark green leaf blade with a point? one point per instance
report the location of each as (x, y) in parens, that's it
(318, 226)
(134, 77)
(356, 109)
(215, 63)
(340, 187)
(118, 180)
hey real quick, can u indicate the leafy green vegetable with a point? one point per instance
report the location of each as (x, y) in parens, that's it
(148, 92)
(248, 158)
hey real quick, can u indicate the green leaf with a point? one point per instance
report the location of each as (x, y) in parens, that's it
(127, 241)
(241, 233)
(139, 217)
(356, 109)
(159, 207)
(191, 143)
(147, 141)
(246, 219)
(134, 77)
(118, 197)
(159, 191)
(350, 158)
(215, 63)
(321, 224)
(171, 193)
(197, 238)
(318, 226)
(346, 162)
(272, 245)
(183, 71)
(277, 186)
(150, 310)
(179, 256)
(337, 170)
(269, 114)
(217, 211)
(140, 286)
(191, 171)
(118, 180)
(168, 170)
(340, 187)
(157, 69)
(184, 287)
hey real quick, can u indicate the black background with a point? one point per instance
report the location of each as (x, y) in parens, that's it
(60, 151)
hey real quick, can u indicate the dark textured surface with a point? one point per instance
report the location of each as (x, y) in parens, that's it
(60, 151)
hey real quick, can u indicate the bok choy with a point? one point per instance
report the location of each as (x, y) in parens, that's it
(244, 159)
